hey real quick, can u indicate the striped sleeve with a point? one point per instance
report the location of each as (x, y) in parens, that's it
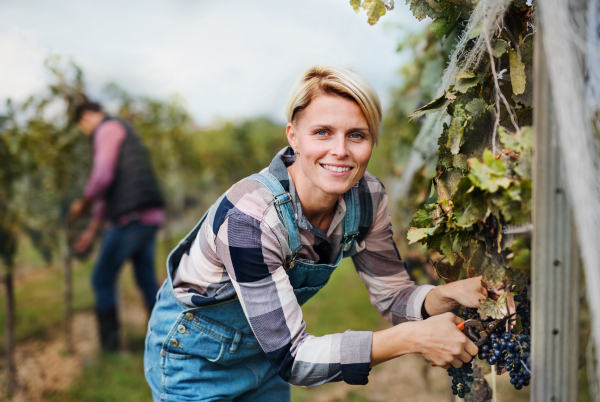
(380, 267)
(254, 257)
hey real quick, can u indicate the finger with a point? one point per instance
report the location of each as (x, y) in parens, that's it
(471, 348)
(465, 357)
(447, 366)
(456, 319)
(457, 363)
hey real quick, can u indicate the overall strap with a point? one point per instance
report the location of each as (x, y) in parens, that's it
(352, 217)
(284, 208)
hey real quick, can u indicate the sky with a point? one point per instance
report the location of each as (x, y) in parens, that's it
(227, 59)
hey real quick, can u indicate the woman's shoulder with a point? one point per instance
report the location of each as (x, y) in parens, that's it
(246, 198)
(371, 187)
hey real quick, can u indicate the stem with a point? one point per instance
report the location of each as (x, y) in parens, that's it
(10, 329)
(494, 398)
(499, 94)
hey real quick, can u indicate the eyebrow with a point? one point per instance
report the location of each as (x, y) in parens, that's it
(330, 127)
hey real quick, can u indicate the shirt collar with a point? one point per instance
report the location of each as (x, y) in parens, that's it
(278, 168)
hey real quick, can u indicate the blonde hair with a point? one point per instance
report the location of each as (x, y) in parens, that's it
(340, 81)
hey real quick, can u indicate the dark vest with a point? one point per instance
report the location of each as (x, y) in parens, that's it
(134, 186)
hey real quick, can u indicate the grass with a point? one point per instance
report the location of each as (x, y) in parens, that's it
(343, 304)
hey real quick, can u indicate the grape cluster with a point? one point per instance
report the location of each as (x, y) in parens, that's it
(510, 351)
(460, 377)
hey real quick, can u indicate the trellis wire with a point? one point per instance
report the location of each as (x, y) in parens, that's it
(577, 139)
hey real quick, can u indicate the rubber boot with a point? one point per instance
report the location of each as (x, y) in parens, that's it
(108, 324)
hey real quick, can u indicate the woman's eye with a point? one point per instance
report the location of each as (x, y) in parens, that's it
(356, 136)
(321, 133)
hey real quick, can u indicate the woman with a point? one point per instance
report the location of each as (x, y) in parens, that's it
(228, 325)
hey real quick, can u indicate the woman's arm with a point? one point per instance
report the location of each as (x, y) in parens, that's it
(436, 339)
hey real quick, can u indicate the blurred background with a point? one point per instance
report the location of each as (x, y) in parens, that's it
(204, 84)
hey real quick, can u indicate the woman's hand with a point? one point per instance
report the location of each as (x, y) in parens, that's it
(436, 339)
(442, 343)
(446, 298)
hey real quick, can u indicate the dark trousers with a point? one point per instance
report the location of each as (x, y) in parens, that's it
(132, 241)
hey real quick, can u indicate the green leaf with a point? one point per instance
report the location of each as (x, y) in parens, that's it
(437, 104)
(446, 248)
(489, 175)
(455, 134)
(421, 219)
(425, 8)
(466, 80)
(355, 5)
(510, 140)
(443, 25)
(476, 107)
(517, 72)
(499, 48)
(375, 10)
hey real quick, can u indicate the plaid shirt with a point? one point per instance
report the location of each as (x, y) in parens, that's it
(242, 249)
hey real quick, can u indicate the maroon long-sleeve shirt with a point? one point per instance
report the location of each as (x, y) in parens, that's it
(107, 144)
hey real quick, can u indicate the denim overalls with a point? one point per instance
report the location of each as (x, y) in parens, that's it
(210, 353)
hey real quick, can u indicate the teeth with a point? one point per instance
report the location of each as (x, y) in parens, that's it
(338, 169)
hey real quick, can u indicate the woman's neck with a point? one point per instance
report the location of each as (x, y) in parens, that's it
(318, 207)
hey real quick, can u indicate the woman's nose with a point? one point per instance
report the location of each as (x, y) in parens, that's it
(340, 148)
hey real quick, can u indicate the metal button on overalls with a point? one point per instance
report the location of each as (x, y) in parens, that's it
(181, 329)
(174, 342)
(189, 316)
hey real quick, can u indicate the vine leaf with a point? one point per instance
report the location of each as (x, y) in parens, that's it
(421, 219)
(466, 80)
(489, 175)
(446, 247)
(443, 25)
(448, 272)
(375, 10)
(499, 48)
(355, 5)
(437, 104)
(425, 8)
(517, 72)
(414, 234)
(495, 309)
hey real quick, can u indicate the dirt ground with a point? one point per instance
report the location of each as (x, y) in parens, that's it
(44, 368)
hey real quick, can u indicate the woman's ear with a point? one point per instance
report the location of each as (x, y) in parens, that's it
(290, 132)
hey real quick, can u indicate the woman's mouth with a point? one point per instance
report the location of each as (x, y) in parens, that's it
(336, 169)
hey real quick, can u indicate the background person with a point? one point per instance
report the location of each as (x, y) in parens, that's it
(228, 323)
(126, 193)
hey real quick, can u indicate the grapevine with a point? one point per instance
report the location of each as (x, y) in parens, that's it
(482, 181)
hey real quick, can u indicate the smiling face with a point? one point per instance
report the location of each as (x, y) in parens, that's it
(333, 139)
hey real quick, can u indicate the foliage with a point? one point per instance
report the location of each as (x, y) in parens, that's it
(477, 190)
(48, 160)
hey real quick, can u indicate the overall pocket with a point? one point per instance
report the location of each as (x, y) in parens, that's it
(196, 348)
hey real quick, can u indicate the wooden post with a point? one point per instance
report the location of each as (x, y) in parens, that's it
(555, 264)
(10, 329)
(68, 296)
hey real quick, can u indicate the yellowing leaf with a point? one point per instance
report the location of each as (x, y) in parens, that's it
(355, 5)
(493, 308)
(414, 234)
(517, 72)
(375, 10)
(464, 74)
